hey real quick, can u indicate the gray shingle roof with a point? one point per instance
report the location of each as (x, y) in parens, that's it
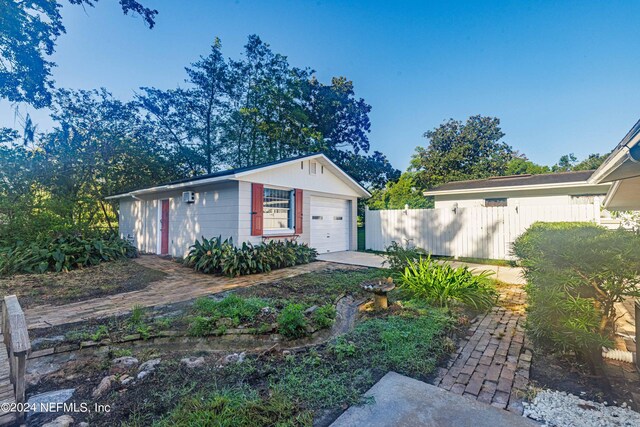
(516, 180)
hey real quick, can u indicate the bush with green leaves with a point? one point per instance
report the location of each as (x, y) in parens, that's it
(441, 285)
(324, 316)
(217, 256)
(397, 257)
(63, 253)
(576, 273)
(291, 321)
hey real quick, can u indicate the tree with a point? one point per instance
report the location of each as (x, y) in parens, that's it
(592, 162)
(460, 151)
(565, 164)
(28, 34)
(524, 166)
(395, 195)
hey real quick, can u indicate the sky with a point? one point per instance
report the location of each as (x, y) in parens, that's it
(562, 76)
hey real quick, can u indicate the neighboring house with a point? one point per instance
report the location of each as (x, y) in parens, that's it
(557, 189)
(308, 199)
(622, 170)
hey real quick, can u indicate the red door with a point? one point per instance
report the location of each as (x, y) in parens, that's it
(164, 228)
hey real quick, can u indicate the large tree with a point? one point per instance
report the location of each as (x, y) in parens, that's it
(259, 108)
(28, 34)
(460, 151)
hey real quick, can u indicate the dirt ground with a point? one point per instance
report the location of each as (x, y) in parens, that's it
(60, 288)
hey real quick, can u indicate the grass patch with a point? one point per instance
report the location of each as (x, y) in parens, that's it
(318, 288)
(77, 285)
(237, 408)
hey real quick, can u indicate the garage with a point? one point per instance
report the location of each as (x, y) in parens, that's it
(330, 219)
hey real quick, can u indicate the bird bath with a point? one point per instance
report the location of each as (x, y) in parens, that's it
(379, 288)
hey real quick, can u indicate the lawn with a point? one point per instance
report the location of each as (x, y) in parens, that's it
(60, 288)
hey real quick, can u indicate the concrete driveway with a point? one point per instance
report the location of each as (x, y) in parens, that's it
(511, 275)
(404, 401)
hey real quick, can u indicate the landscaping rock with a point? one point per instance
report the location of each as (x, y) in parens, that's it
(311, 309)
(39, 342)
(103, 387)
(147, 367)
(225, 321)
(193, 362)
(266, 310)
(124, 363)
(49, 398)
(63, 421)
(233, 358)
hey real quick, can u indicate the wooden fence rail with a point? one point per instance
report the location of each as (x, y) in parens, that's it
(18, 345)
(476, 232)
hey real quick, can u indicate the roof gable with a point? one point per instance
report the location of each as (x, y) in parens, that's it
(240, 173)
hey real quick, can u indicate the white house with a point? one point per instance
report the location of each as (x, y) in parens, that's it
(622, 170)
(308, 199)
(557, 189)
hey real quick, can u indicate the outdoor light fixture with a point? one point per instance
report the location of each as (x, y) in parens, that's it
(455, 208)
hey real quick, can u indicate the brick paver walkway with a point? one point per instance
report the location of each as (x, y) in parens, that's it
(492, 364)
(181, 284)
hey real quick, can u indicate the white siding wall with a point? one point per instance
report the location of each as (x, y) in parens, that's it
(466, 232)
(511, 201)
(214, 213)
(244, 213)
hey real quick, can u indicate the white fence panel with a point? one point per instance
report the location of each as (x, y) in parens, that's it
(476, 232)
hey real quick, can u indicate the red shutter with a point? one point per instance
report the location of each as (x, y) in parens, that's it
(298, 211)
(257, 195)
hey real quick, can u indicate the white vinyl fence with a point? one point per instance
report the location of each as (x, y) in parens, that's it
(476, 232)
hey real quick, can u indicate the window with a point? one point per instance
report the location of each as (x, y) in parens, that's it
(495, 202)
(337, 218)
(589, 199)
(316, 217)
(277, 209)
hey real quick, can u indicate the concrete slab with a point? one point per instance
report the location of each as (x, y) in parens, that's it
(511, 275)
(403, 401)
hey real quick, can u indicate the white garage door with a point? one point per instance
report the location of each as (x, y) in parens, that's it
(329, 224)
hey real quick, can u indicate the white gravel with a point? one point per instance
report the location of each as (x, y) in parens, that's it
(559, 409)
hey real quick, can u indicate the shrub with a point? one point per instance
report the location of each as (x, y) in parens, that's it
(576, 272)
(440, 284)
(63, 253)
(291, 321)
(324, 316)
(217, 256)
(398, 256)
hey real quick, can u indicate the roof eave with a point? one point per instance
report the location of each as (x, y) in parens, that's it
(510, 188)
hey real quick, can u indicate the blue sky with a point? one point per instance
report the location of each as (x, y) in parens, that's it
(563, 76)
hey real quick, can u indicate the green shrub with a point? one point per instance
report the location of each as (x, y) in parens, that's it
(217, 256)
(291, 321)
(324, 316)
(63, 253)
(440, 284)
(576, 272)
(398, 256)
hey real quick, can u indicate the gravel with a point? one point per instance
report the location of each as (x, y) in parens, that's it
(560, 409)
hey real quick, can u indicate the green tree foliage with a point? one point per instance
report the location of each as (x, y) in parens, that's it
(395, 195)
(235, 113)
(28, 34)
(592, 162)
(100, 146)
(524, 166)
(460, 151)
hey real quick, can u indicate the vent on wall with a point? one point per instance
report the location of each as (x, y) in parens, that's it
(188, 197)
